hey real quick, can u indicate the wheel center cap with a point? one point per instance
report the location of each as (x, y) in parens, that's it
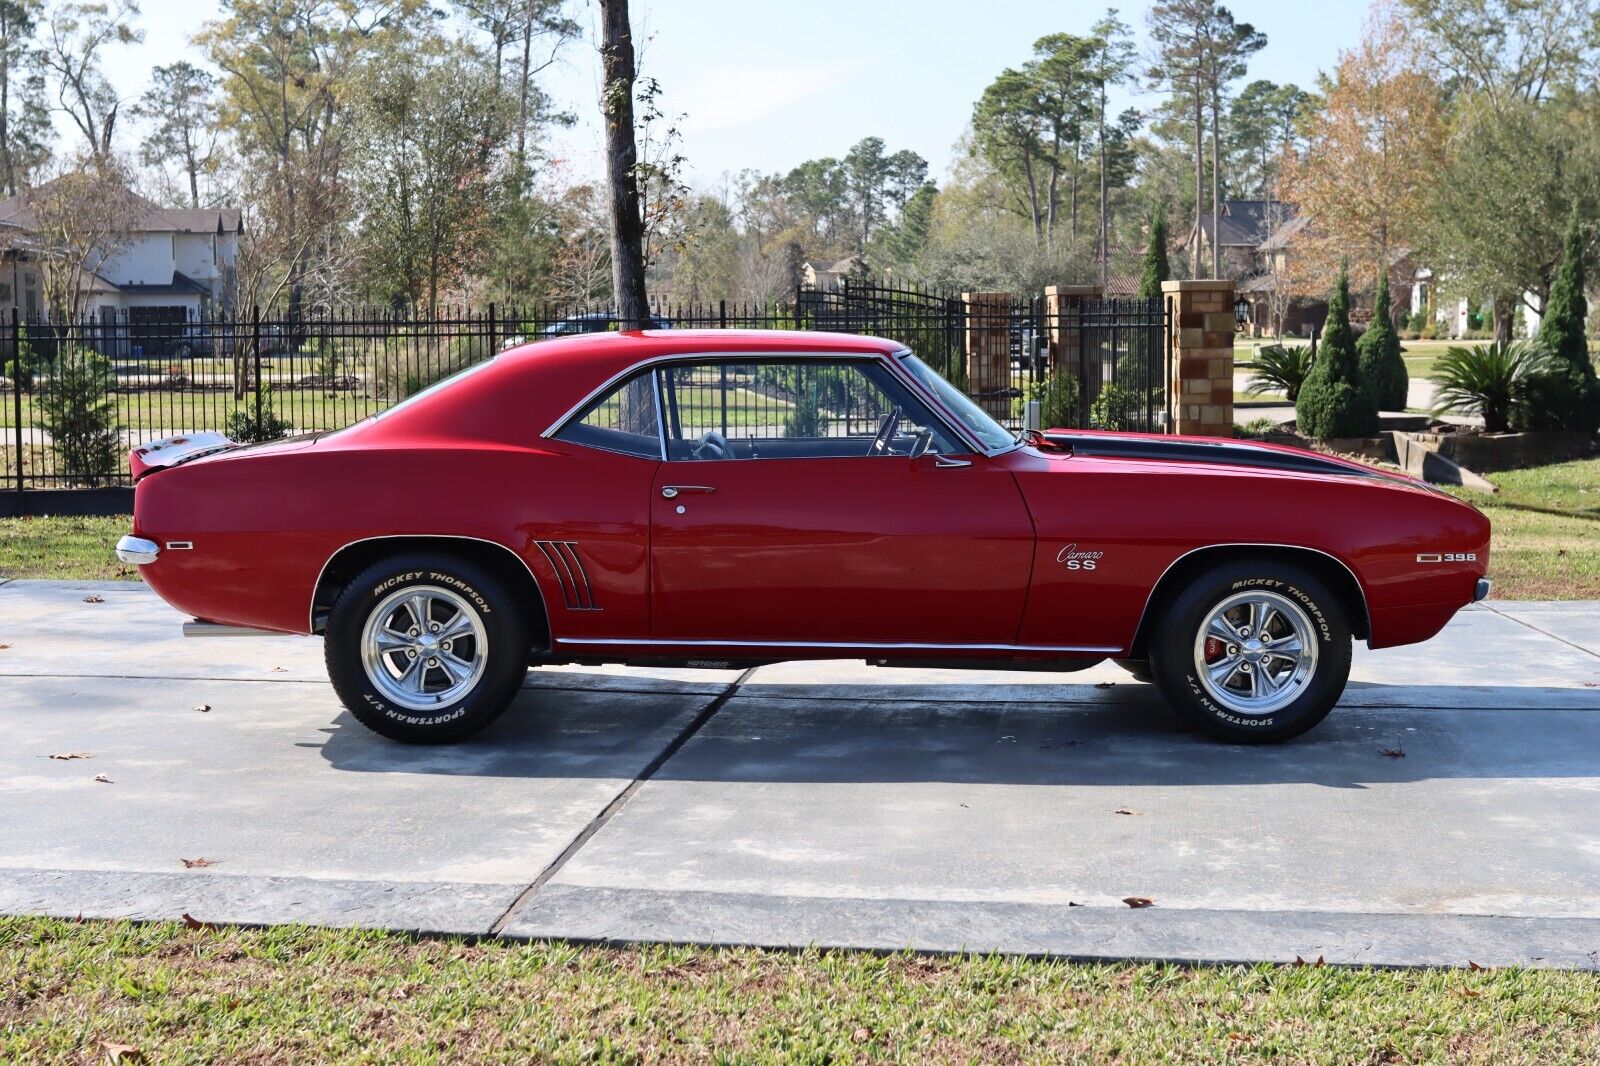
(428, 642)
(1253, 650)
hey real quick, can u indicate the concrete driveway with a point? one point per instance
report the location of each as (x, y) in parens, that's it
(831, 804)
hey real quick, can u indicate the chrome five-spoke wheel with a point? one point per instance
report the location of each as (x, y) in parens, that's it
(1256, 652)
(424, 647)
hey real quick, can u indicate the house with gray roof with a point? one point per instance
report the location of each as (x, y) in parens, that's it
(172, 264)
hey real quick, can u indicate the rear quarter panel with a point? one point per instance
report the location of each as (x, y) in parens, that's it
(264, 527)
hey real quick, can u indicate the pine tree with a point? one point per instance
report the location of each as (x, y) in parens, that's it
(1332, 402)
(1382, 369)
(1566, 395)
(1155, 269)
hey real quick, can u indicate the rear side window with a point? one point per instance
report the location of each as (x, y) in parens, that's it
(623, 420)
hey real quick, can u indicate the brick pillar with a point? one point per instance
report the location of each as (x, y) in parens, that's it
(1202, 356)
(988, 350)
(1060, 301)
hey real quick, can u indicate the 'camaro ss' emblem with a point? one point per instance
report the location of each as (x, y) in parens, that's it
(1073, 559)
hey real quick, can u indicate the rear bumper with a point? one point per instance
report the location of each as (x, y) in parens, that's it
(137, 550)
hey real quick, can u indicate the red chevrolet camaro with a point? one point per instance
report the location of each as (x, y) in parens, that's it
(717, 498)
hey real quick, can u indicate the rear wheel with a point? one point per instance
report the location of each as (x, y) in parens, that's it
(1253, 651)
(426, 648)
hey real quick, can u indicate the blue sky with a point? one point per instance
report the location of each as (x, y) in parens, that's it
(768, 84)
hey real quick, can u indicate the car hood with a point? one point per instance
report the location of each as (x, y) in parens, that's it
(1256, 455)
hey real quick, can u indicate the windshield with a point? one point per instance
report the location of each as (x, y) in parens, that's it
(983, 428)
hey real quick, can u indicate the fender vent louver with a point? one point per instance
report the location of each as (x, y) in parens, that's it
(576, 592)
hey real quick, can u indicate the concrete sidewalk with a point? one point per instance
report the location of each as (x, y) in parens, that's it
(832, 804)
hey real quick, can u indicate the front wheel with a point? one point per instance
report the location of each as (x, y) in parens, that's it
(1253, 651)
(426, 648)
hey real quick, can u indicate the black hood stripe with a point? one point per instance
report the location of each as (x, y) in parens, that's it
(1222, 453)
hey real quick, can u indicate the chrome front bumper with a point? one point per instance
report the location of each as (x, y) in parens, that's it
(137, 550)
(1482, 591)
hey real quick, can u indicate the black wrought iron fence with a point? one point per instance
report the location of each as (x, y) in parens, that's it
(78, 394)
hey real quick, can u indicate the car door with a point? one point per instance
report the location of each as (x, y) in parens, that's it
(783, 515)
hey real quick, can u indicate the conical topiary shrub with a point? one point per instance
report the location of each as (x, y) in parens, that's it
(1381, 368)
(1333, 403)
(1566, 394)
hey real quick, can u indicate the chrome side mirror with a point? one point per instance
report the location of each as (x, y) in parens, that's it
(919, 447)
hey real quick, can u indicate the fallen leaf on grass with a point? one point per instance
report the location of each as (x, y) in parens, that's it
(94, 599)
(103, 779)
(1474, 966)
(195, 923)
(861, 1035)
(64, 756)
(1138, 901)
(1393, 753)
(1298, 961)
(1126, 810)
(1468, 992)
(121, 1052)
(1237, 1037)
(202, 707)
(190, 864)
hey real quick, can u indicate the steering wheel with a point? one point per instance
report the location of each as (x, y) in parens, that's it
(711, 445)
(885, 434)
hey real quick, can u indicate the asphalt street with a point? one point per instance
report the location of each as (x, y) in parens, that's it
(1447, 811)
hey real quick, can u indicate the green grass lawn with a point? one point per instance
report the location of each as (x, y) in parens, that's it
(160, 409)
(74, 548)
(68, 990)
(1419, 355)
(1545, 540)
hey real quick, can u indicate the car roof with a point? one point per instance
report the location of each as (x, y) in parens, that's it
(613, 352)
(537, 382)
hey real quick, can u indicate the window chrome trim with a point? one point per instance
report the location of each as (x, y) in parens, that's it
(667, 642)
(956, 427)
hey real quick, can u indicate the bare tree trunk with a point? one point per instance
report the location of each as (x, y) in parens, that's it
(1104, 252)
(622, 158)
(6, 164)
(1199, 179)
(1216, 185)
(527, 59)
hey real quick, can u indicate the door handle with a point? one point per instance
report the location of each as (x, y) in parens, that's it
(672, 492)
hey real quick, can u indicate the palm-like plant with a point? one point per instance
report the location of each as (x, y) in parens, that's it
(1488, 380)
(1280, 369)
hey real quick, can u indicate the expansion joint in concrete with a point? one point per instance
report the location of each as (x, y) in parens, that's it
(618, 802)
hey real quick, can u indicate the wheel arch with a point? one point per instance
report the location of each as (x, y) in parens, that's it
(343, 565)
(1335, 571)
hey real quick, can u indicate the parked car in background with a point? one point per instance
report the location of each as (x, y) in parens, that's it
(593, 322)
(729, 498)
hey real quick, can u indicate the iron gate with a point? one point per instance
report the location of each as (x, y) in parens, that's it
(1088, 363)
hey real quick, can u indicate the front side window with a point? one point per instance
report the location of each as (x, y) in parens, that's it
(623, 420)
(791, 409)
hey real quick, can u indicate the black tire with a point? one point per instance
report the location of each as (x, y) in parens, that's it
(1174, 652)
(1138, 668)
(456, 583)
